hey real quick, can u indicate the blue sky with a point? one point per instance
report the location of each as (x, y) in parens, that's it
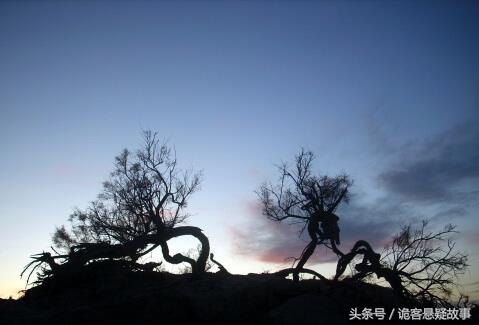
(376, 89)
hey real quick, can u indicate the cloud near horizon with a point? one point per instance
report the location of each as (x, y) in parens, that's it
(277, 242)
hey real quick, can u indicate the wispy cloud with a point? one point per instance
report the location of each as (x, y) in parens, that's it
(444, 169)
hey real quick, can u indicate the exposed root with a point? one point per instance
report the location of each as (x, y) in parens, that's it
(222, 270)
(284, 273)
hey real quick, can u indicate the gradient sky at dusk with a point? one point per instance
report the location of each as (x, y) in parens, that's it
(386, 91)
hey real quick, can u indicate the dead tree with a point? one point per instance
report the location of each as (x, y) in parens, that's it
(301, 197)
(426, 262)
(420, 265)
(141, 207)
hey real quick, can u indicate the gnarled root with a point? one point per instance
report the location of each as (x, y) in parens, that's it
(84, 253)
(284, 273)
(370, 264)
(222, 270)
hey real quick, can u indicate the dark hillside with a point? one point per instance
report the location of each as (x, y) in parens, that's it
(112, 296)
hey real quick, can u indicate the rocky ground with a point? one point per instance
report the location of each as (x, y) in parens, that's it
(113, 297)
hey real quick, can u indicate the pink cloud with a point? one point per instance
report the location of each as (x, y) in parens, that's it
(472, 238)
(270, 241)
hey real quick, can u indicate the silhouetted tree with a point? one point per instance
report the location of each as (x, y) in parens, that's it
(426, 262)
(140, 208)
(302, 197)
(420, 265)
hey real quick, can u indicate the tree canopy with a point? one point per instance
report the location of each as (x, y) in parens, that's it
(145, 194)
(301, 196)
(141, 206)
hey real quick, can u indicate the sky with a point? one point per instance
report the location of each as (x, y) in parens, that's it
(386, 91)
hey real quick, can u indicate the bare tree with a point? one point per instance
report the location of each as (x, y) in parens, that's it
(427, 262)
(140, 208)
(420, 265)
(305, 198)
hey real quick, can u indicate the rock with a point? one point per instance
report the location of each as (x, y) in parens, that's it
(142, 297)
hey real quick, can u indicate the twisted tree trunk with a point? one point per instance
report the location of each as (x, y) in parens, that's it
(370, 264)
(308, 251)
(313, 229)
(198, 266)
